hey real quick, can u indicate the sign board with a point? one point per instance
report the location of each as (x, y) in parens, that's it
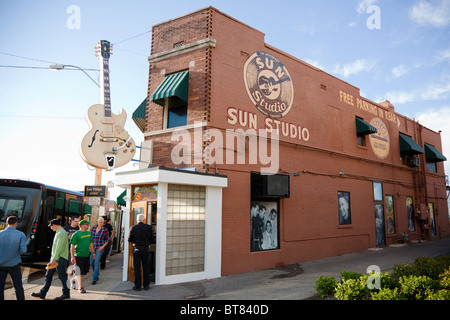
(94, 201)
(95, 191)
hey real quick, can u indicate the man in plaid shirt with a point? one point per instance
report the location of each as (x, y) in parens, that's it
(100, 236)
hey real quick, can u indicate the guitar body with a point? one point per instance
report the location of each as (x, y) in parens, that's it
(107, 145)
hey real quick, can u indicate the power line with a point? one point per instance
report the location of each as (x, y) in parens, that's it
(141, 34)
(31, 67)
(40, 117)
(22, 57)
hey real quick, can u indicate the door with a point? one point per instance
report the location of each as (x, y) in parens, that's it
(148, 209)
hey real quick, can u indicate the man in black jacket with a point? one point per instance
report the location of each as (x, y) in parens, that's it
(141, 235)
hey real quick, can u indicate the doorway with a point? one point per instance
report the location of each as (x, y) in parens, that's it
(149, 210)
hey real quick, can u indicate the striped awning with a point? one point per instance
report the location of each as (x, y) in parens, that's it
(140, 114)
(173, 85)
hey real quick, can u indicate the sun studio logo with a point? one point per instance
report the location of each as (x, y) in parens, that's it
(268, 84)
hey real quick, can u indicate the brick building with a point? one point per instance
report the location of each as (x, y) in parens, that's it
(345, 173)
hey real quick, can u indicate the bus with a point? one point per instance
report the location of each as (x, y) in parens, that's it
(35, 205)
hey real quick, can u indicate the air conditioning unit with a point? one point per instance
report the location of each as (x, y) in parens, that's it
(414, 162)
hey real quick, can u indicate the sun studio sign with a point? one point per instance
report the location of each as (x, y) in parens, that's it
(268, 84)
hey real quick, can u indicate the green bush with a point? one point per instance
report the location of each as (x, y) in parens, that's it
(444, 279)
(417, 288)
(426, 279)
(431, 267)
(352, 289)
(346, 275)
(404, 269)
(387, 294)
(439, 295)
(325, 286)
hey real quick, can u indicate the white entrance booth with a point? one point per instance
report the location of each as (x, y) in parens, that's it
(188, 222)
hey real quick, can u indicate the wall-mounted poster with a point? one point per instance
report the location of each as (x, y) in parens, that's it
(432, 220)
(345, 216)
(264, 217)
(377, 191)
(410, 214)
(379, 224)
(390, 220)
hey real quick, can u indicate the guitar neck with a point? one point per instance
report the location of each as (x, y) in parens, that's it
(105, 90)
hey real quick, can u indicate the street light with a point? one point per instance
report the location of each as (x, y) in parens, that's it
(56, 67)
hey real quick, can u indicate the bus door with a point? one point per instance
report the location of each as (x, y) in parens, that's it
(149, 210)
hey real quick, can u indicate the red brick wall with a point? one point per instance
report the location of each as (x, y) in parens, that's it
(308, 226)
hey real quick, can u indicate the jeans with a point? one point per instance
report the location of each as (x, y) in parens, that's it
(141, 254)
(16, 277)
(62, 275)
(95, 264)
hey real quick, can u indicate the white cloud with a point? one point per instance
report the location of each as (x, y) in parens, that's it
(354, 67)
(399, 71)
(443, 55)
(435, 91)
(400, 97)
(431, 13)
(315, 63)
(438, 119)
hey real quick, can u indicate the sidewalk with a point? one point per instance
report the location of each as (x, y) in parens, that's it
(293, 282)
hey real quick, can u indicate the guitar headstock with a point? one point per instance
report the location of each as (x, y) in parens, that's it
(103, 49)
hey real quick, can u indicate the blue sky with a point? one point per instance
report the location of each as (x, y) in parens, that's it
(405, 59)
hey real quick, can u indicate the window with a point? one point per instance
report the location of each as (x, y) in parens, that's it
(431, 166)
(432, 156)
(172, 95)
(362, 130)
(11, 207)
(175, 113)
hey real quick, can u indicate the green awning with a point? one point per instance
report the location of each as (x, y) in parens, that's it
(173, 85)
(120, 200)
(432, 154)
(408, 145)
(87, 209)
(140, 115)
(364, 128)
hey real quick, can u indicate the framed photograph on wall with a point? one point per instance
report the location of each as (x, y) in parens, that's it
(264, 222)
(377, 191)
(345, 215)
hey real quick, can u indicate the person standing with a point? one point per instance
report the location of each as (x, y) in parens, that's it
(72, 227)
(12, 244)
(100, 237)
(141, 235)
(81, 245)
(105, 254)
(58, 261)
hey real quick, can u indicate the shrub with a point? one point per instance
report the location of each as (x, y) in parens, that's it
(444, 279)
(387, 294)
(352, 289)
(439, 295)
(417, 288)
(431, 267)
(325, 286)
(404, 269)
(346, 275)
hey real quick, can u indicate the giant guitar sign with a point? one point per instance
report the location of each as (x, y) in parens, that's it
(107, 145)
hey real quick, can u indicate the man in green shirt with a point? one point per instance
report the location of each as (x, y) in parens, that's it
(81, 245)
(60, 254)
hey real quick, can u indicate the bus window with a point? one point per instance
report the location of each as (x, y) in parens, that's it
(11, 207)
